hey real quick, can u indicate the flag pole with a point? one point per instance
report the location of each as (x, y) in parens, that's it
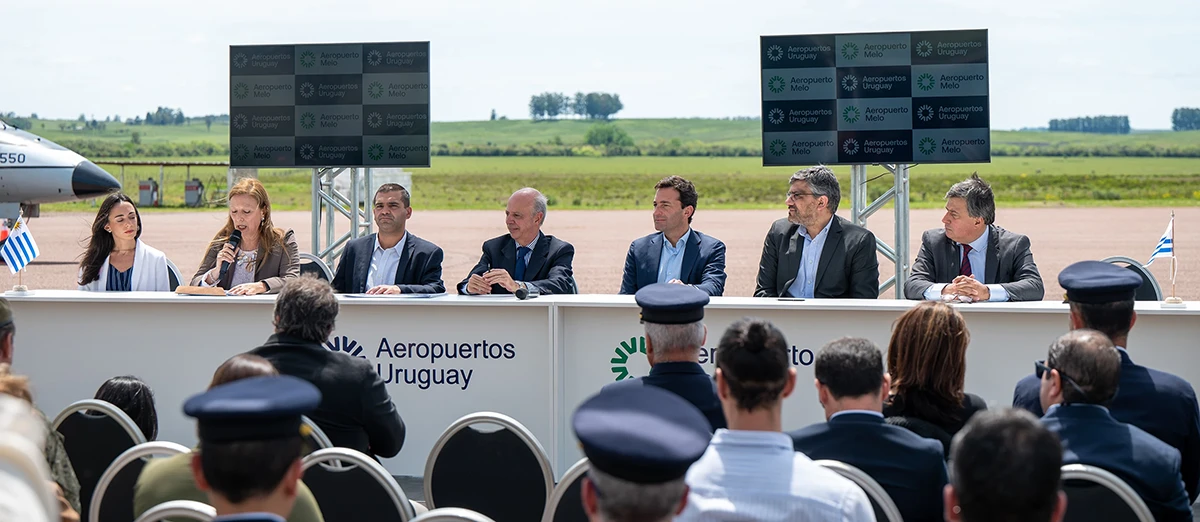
(1173, 300)
(20, 288)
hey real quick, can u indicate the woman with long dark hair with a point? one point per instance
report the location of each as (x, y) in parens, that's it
(116, 259)
(135, 398)
(266, 257)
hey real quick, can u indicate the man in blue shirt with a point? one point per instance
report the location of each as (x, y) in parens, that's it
(676, 253)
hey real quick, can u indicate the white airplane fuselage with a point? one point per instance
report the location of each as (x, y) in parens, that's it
(34, 170)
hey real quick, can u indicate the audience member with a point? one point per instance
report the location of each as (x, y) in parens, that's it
(170, 478)
(1101, 298)
(639, 441)
(135, 398)
(675, 253)
(1079, 380)
(266, 256)
(524, 258)
(356, 410)
(751, 471)
(23, 432)
(1005, 467)
(392, 260)
(250, 443)
(115, 248)
(852, 386)
(675, 332)
(27, 422)
(927, 360)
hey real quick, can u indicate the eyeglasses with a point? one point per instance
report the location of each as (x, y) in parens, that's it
(1040, 368)
(796, 195)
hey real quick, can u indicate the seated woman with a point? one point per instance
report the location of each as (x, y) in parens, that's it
(135, 398)
(927, 359)
(266, 257)
(116, 260)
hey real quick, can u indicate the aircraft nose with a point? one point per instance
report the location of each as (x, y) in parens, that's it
(89, 180)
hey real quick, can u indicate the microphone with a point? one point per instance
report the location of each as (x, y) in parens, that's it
(235, 239)
(521, 293)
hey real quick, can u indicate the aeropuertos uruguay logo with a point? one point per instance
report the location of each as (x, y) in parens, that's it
(924, 48)
(621, 361)
(774, 53)
(374, 120)
(375, 90)
(925, 82)
(375, 152)
(374, 58)
(241, 152)
(850, 146)
(849, 82)
(308, 120)
(927, 145)
(307, 152)
(925, 113)
(849, 50)
(851, 114)
(778, 147)
(776, 84)
(240, 60)
(308, 59)
(240, 121)
(775, 116)
(345, 345)
(241, 90)
(307, 89)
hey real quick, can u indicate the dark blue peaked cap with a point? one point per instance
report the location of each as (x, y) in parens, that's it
(665, 303)
(257, 408)
(1097, 282)
(641, 434)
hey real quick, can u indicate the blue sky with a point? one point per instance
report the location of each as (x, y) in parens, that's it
(666, 58)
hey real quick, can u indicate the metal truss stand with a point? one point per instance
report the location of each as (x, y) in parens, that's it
(860, 211)
(328, 202)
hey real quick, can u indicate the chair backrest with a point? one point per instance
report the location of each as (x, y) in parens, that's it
(504, 474)
(94, 433)
(23, 480)
(452, 515)
(566, 504)
(1149, 291)
(924, 429)
(316, 439)
(885, 508)
(113, 497)
(311, 264)
(360, 489)
(173, 275)
(1096, 494)
(179, 508)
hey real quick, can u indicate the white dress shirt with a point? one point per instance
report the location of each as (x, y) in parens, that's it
(384, 262)
(757, 475)
(978, 258)
(670, 260)
(806, 276)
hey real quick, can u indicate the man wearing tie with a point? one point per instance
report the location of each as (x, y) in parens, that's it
(972, 259)
(676, 253)
(391, 261)
(524, 259)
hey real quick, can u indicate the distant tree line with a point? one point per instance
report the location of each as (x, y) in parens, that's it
(1185, 118)
(1094, 124)
(593, 105)
(161, 116)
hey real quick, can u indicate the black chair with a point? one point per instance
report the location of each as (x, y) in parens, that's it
(566, 504)
(94, 433)
(1095, 494)
(452, 515)
(311, 264)
(113, 498)
(173, 275)
(885, 508)
(1149, 291)
(174, 509)
(356, 488)
(925, 429)
(504, 474)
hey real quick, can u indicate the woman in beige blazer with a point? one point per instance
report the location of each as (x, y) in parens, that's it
(266, 257)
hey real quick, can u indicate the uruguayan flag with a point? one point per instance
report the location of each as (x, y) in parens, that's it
(1166, 247)
(20, 249)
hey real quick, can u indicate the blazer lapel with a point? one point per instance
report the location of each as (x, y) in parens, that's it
(541, 251)
(833, 242)
(691, 253)
(954, 255)
(789, 264)
(508, 256)
(992, 256)
(650, 259)
(362, 262)
(405, 258)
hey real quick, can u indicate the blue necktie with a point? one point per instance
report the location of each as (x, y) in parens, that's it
(520, 276)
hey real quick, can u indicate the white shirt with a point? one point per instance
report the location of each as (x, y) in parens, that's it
(978, 258)
(756, 475)
(670, 260)
(806, 276)
(384, 262)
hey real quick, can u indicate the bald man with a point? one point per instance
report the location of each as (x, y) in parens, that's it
(525, 258)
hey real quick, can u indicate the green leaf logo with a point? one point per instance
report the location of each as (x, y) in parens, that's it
(927, 145)
(375, 152)
(241, 90)
(375, 90)
(627, 348)
(308, 59)
(850, 114)
(776, 84)
(778, 147)
(850, 50)
(308, 120)
(241, 152)
(925, 82)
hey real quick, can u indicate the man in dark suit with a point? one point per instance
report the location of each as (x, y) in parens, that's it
(1079, 379)
(813, 252)
(1101, 298)
(676, 254)
(972, 259)
(392, 261)
(356, 410)
(852, 386)
(524, 259)
(673, 316)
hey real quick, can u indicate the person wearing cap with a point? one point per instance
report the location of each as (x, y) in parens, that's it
(1100, 296)
(673, 318)
(250, 445)
(751, 471)
(675, 253)
(1078, 381)
(56, 452)
(639, 442)
(972, 259)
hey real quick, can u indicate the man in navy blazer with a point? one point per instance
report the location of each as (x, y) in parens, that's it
(391, 261)
(1162, 404)
(676, 253)
(525, 258)
(852, 386)
(1079, 378)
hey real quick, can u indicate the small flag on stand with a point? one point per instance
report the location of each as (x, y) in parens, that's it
(1166, 244)
(20, 249)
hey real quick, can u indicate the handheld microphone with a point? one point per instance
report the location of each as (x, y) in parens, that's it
(521, 293)
(235, 239)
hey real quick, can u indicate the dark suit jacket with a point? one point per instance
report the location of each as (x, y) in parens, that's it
(909, 468)
(848, 268)
(687, 380)
(281, 264)
(1159, 403)
(1090, 435)
(356, 411)
(1008, 263)
(548, 271)
(703, 263)
(418, 272)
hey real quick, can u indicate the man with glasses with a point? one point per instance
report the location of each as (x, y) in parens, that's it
(813, 253)
(1079, 379)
